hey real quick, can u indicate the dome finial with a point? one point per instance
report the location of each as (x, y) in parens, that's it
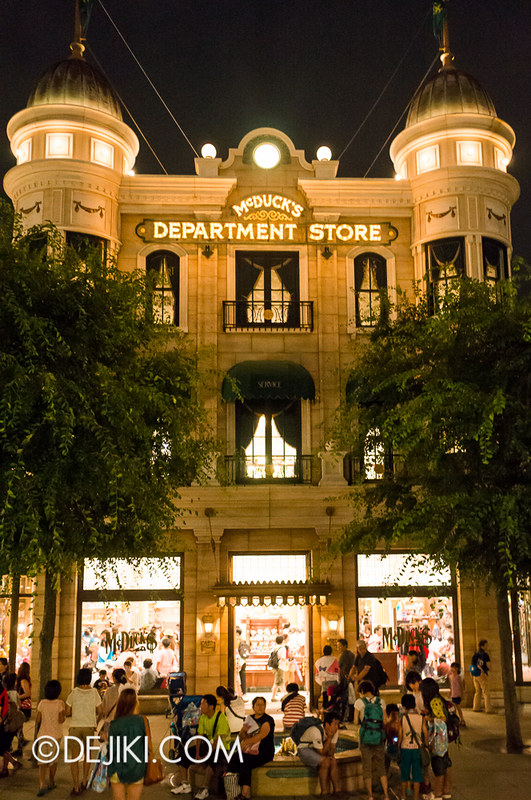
(440, 30)
(82, 11)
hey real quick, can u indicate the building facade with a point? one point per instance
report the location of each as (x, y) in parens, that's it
(274, 267)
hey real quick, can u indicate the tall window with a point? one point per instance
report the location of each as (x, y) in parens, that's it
(445, 262)
(267, 289)
(268, 436)
(494, 261)
(370, 280)
(163, 268)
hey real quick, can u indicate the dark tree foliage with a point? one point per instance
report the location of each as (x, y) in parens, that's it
(100, 420)
(450, 395)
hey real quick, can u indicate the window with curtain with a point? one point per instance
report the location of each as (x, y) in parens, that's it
(268, 438)
(370, 280)
(445, 262)
(494, 261)
(267, 289)
(162, 267)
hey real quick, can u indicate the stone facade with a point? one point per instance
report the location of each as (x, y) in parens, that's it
(452, 185)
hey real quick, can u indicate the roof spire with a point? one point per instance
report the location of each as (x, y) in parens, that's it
(440, 30)
(77, 46)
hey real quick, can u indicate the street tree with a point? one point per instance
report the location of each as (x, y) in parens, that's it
(441, 393)
(100, 418)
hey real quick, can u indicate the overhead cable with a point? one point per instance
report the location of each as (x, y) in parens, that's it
(148, 78)
(360, 126)
(402, 114)
(122, 101)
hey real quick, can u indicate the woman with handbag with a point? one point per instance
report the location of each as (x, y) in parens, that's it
(128, 775)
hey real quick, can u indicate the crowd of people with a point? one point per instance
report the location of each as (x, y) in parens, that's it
(413, 735)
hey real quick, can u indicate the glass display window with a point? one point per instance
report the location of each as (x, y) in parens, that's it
(24, 630)
(127, 609)
(521, 630)
(406, 615)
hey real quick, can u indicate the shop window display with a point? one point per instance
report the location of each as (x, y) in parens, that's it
(128, 610)
(406, 627)
(24, 617)
(522, 621)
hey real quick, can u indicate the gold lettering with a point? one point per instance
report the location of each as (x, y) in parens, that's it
(216, 230)
(175, 230)
(348, 232)
(238, 209)
(187, 227)
(230, 227)
(261, 231)
(277, 200)
(160, 230)
(245, 231)
(285, 204)
(361, 232)
(316, 232)
(375, 233)
(297, 210)
(276, 231)
(267, 200)
(330, 229)
(200, 230)
(291, 227)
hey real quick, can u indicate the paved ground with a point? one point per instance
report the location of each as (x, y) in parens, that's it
(481, 771)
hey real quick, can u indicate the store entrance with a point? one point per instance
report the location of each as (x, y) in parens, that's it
(259, 621)
(260, 627)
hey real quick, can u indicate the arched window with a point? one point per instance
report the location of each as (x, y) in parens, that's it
(163, 268)
(370, 280)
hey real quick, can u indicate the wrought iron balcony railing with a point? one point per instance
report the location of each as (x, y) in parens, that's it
(243, 315)
(278, 469)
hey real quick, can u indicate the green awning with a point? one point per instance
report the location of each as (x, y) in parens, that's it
(268, 380)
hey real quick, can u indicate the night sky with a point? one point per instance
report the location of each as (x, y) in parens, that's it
(312, 69)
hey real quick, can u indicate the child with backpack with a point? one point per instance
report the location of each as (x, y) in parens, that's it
(435, 732)
(369, 715)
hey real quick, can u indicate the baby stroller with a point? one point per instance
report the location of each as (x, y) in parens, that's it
(185, 713)
(176, 683)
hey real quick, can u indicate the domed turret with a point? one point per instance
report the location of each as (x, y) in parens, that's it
(449, 92)
(72, 149)
(75, 82)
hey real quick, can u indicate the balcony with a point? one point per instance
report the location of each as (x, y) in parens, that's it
(290, 469)
(246, 315)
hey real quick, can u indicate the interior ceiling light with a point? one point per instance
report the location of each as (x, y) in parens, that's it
(266, 155)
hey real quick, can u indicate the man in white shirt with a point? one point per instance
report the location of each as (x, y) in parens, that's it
(317, 751)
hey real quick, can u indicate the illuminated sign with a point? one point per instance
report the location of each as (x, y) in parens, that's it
(268, 203)
(159, 230)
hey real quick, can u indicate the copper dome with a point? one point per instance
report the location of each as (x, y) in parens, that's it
(449, 92)
(76, 82)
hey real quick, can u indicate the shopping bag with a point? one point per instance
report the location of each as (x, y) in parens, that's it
(232, 785)
(99, 778)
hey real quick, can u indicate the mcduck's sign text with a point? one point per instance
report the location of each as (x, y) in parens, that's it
(266, 218)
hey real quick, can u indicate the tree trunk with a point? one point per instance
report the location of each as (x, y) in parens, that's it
(512, 718)
(47, 630)
(13, 622)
